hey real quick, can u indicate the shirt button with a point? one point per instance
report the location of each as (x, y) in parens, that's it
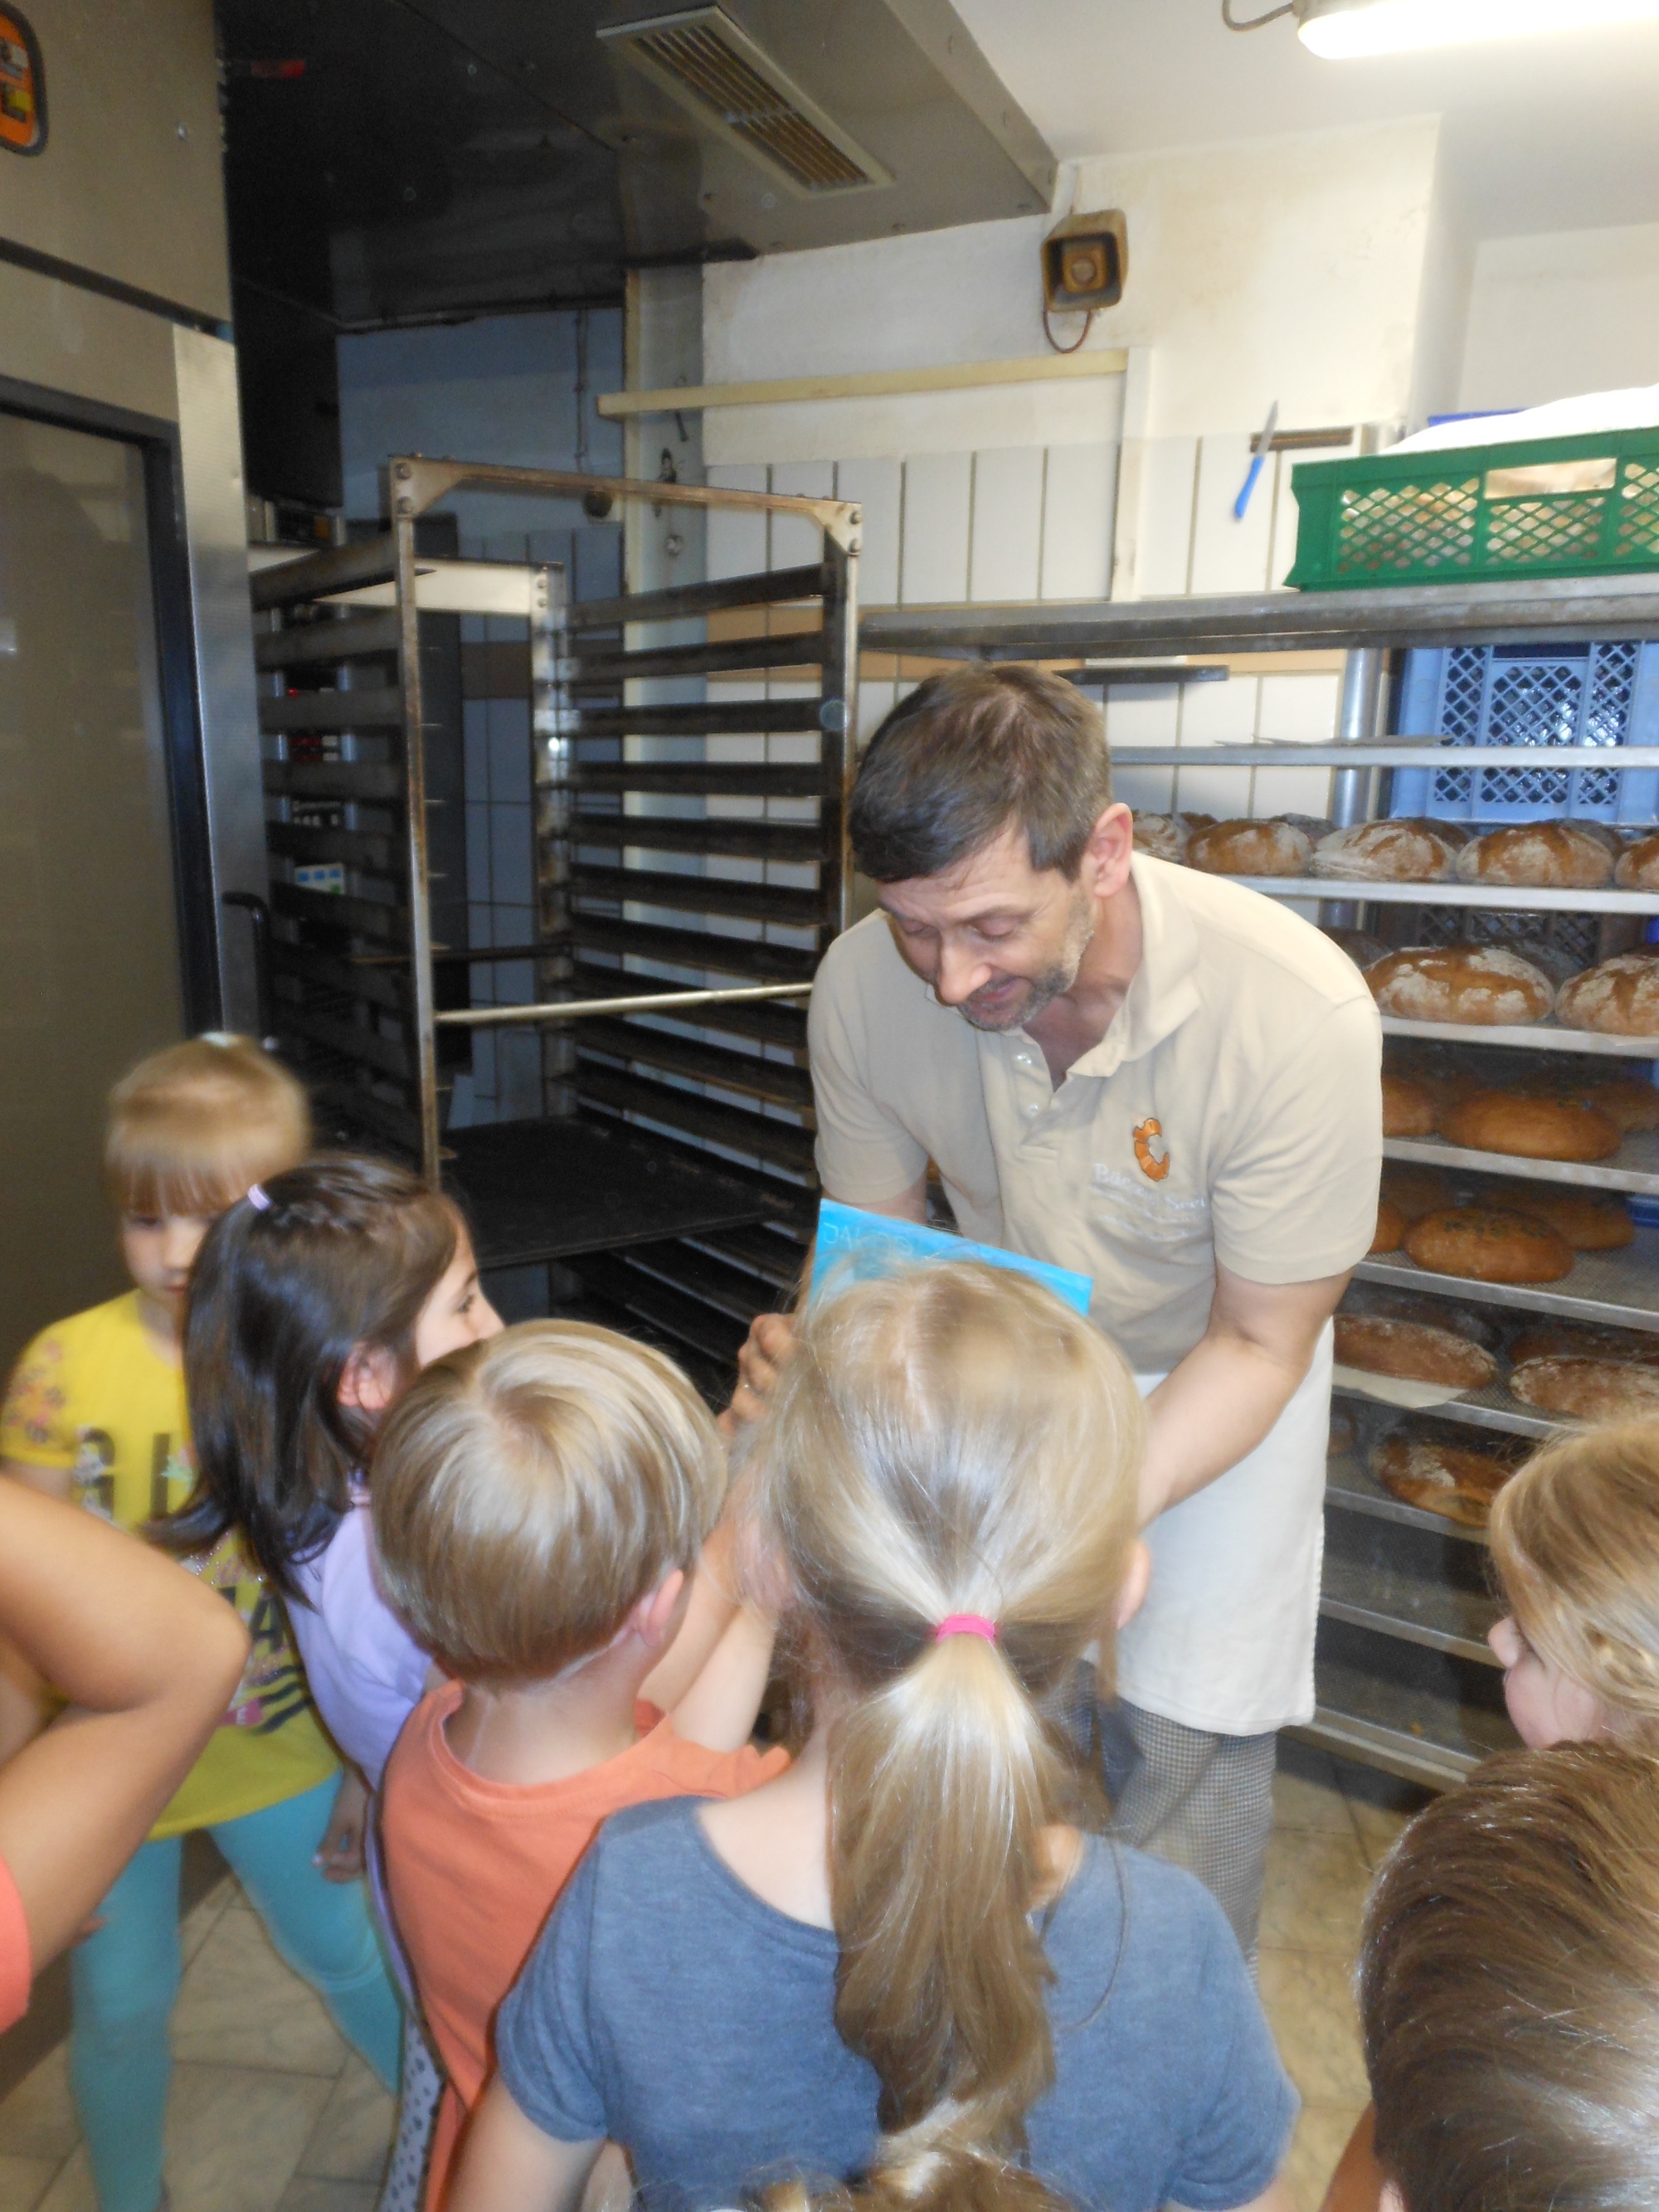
(1030, 1112)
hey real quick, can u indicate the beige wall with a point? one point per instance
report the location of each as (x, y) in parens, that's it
(1560, 313)
(129, 184)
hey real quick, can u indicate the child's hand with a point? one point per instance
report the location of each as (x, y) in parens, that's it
(340, 1855)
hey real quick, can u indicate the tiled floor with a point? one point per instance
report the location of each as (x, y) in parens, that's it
(272, 2113)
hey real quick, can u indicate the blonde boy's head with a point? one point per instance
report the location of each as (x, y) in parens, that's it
(192, 1127)
(529, 1492)
(1575, 1539)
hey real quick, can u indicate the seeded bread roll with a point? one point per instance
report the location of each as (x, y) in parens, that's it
(1250, 849)
(1418, 1341)
(1529, 1128)
(1437, 1468)
(1364, 950)
(1390, 1227)
(1163, 835)
(1404, 852)
(1482, 985)
(1619, 999)
(1582, 1389)
(1590, 1220)
(1547, 856)
(1408, 1108)
(1416, 1190)
(1489, 1245)
(1637, 866)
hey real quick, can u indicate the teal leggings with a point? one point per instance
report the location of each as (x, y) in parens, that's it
(126, 1976)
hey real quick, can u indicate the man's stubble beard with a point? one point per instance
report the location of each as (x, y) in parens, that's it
(1054, 981)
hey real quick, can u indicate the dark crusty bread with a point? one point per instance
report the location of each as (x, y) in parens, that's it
(1619, 999)
(1362, 950)
(1529, 1127)
(1390, 1227)
(1395, 851)
(1585, 1389)
(1442, 1469)
(1407, 1106)
(1419, 1340)
(1250, 849)
(1415, 1189)
(1489, 1245)
(1637, 866)
(1163, 835)
(1344, 1432)
(1551, 855)
(1547, 1339)
(1479, 984)
(1590, 1220)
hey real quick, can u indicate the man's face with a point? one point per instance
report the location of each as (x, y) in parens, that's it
(996, 940)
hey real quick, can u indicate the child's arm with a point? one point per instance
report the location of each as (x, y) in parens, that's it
(342, 1855)
(708, 1615)
(148, 1657)
(507, 2165)
(24, 1700)
(718, 1708)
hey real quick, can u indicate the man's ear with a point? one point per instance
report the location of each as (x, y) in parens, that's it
(655, 1618)
(1132, 1593)
(1110, 848)
(369, 1382)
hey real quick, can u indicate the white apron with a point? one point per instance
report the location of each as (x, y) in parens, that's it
(1224, 1640)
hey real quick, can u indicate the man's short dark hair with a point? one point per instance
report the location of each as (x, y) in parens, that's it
(971, 754)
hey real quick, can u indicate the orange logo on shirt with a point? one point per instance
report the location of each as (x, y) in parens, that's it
(1151, 1163)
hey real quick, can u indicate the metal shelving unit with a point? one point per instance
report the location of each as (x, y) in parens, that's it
(1403, 1678)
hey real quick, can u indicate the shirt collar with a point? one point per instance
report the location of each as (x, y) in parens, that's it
(1163, 992)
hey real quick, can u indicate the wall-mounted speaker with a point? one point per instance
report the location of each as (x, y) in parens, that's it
(1086, 261)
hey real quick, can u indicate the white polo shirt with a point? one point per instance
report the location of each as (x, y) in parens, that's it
(1231, 1112)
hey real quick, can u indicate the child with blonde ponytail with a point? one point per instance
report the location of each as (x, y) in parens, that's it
(902, 1974)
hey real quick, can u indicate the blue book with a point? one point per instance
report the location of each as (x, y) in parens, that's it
(854, 1247)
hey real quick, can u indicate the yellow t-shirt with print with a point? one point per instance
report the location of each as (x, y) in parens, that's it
(92, 1394)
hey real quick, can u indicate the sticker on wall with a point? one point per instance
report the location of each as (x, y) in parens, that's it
(22, 85)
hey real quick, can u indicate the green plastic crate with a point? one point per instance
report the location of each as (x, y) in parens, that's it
(1479, 515)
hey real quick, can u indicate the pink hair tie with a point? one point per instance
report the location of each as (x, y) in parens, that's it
(965, 1623)
(259, 1199)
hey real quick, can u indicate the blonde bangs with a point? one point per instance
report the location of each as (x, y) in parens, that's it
(189, 1129)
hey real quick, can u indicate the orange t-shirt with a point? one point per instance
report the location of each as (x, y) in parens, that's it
(474, 1866)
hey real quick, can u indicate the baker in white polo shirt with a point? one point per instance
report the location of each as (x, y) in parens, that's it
(1165, 1081)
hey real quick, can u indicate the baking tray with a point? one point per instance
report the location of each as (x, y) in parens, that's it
(1520, 896)
(1427, 1714)
(1351, 1490)
(1530, 1037)
(1634, 1166)
(1621, 1287)
(1491, 1409)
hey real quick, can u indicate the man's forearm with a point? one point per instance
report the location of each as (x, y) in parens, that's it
(1209, 1412)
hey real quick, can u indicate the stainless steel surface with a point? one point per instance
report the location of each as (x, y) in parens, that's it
(210, 470)
(1606, 1286)
(1634, 1166)
(1491, 1409)
(1532, 1037)
(1401, 752)
(1275, 622)
(552, 755)
(1395, 1752)
(837, 751)
(441, 587)
(1356, 724)
(650, 1002)
(1480, 895)
(408, 619)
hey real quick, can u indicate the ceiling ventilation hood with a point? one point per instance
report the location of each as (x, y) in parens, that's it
(704, 60)
(818, 122)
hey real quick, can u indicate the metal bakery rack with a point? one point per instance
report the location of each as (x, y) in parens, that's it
(1403, 1679)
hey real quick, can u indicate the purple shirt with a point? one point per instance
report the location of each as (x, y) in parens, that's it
(367, 1672)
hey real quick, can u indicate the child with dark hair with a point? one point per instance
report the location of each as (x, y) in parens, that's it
(1508, 1991)
(95, 1413)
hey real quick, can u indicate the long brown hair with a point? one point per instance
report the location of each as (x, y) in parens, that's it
(952, 1440)
(1509, 1990)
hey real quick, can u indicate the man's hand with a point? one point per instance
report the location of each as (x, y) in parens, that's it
(770, 1342)
(340, 1856)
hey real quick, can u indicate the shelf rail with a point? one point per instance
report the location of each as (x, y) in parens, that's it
(652, 1002)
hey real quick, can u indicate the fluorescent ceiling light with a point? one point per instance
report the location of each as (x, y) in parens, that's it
(1340, 30)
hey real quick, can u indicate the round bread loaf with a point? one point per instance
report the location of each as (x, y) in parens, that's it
(1619, 999)
(1531, 1128)
(1362, 950)
(1637, 866)
(1585, 1389)
(1390, 1227)
(1625, 1099)
(1549, 1340)
(1489, 1245)
(1163, 835)
(1550, 960)
(1250, 849)
(1312, 826)
(1435, 1468)
(1403, 851)
(1478, 984)
(1408, 1108)
(1590, 1220)
(1344, 1432)
(1414, 1189)
(1545, 855)
(1415, 1350)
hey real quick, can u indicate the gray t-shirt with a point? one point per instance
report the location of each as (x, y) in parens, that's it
(667, 2007)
